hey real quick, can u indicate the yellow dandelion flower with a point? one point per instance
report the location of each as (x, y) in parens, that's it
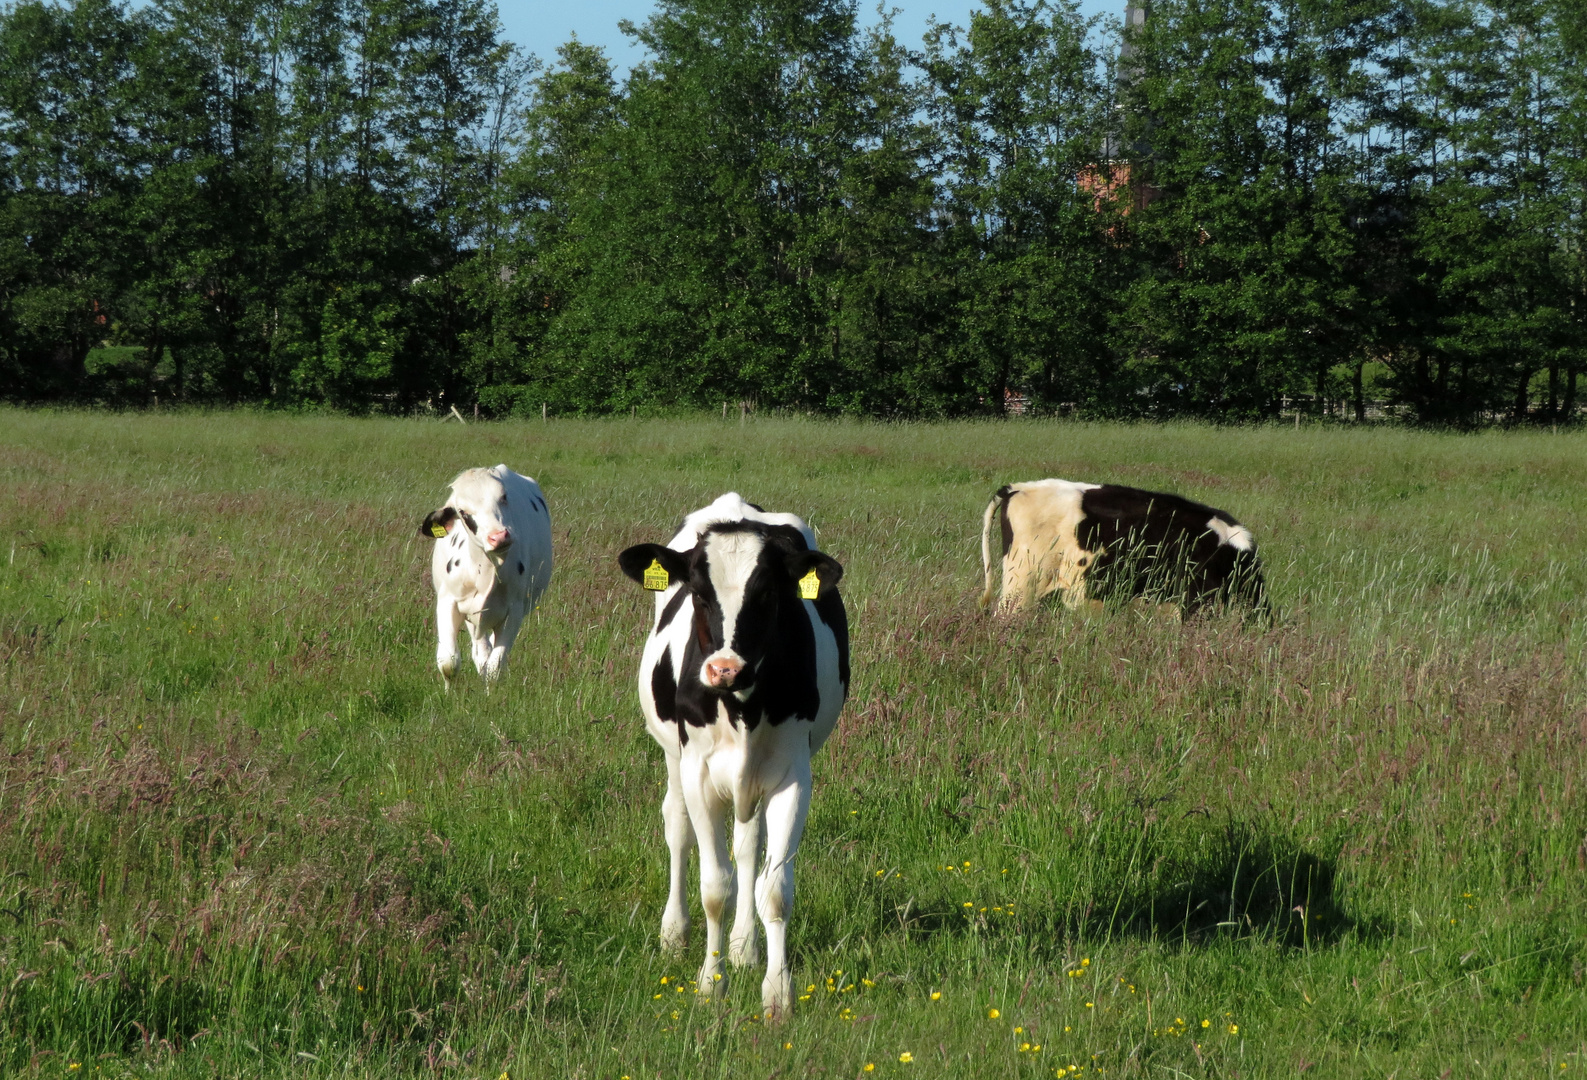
(654, 997)
(1036, 1049)
(717, 977)
(1019, 1031)
(1206, 1023)
(936, 995)
(787, 1046)
(968, 904)
(992, 1014)
(1024, 1048)
(674, 1015)
(665, 979)
(1234, 1029)
(870, 1066)
(1086, 962)
(906, 1057)
(1088, 1004)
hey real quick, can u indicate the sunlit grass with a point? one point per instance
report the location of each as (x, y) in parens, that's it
(243, 830)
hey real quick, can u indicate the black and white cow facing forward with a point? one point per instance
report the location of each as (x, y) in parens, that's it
(742, 679)
(1092, 542)
(492, 560)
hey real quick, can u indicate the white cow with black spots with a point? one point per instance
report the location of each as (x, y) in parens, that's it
(491, 562)
(742, 679)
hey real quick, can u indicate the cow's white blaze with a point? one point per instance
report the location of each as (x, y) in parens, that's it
(731, 559)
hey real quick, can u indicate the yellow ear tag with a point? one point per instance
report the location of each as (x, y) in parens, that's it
(656, 579)
(438, 531)
(809, 586)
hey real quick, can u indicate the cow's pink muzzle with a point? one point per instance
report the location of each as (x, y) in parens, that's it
(498, 539)
(721, 671)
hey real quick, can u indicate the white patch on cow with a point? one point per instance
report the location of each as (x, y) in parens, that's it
(1045, 556)
(489, 588)
(1236, 536)
(731, 558)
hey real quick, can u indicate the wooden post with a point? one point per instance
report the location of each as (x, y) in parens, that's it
(459, 416)
(542, 412)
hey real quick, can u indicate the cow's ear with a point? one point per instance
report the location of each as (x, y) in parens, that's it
(815, 574)
(437, 522)
(654, 566)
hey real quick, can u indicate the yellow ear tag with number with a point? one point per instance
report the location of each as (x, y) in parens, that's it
(656, 579)
(438, 531)
(809, 586)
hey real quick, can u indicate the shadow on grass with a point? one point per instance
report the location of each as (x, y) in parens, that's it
(1246, 884)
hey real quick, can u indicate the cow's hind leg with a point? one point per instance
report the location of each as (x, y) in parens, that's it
(446, 630)
(786, 809)
(680, 838)
(480, 642)
(743, 948)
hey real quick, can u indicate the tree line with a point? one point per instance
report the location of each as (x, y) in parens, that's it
(1209, 208)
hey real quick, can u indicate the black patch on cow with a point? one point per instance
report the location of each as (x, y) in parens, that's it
(776, 636)
(449, 565)
(442, 517)
(1002, 495)
(664, 689)
(520, 568)
(671, 610)
(1156, 545)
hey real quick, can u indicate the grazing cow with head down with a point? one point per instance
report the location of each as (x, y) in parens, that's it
(491, 562)
(1094, 542)
(742, 679)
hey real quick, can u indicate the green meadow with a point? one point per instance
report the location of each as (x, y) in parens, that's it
(245, 832)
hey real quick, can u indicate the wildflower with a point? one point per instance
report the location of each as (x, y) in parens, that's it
(992, 1014)
(936, 995)
(1024, 1048)
(968, 904)
(360, 989)
(787, 1046)
(717, 977)
(1206, 1023)
(870, 1066)
(1036, 1049)
(657, 996)
(1234, 1029)
(967, 864)
(674, 1015)
(1019, 1031)
(1086, 962)
(1088, 1004)
(665, 980)
(879, 873)
(868, 983)
(906, 1057)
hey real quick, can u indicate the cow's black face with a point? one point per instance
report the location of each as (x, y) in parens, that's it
(741, 577)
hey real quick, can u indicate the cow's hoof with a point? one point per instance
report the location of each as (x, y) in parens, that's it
(744, 952)
(448, 668)
(674, 939)
(712, 984)
(776, 997)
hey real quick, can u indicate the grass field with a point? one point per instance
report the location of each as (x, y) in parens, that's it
(244, 832)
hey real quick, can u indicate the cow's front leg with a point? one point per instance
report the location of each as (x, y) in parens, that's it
(680, 838)
(479, 636)
(708, 815)
(743, 948)
(786, 809)
(500, 644)
(446, 630)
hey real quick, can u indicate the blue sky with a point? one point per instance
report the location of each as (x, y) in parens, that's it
(539, 26)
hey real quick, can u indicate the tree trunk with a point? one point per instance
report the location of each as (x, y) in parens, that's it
(1553, 390)
(1569, 405)
(1522, 398)
(1358, 392)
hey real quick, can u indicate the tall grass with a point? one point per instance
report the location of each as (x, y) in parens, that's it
(243, 830)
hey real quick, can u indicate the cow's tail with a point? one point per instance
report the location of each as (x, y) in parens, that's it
(999, 497)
